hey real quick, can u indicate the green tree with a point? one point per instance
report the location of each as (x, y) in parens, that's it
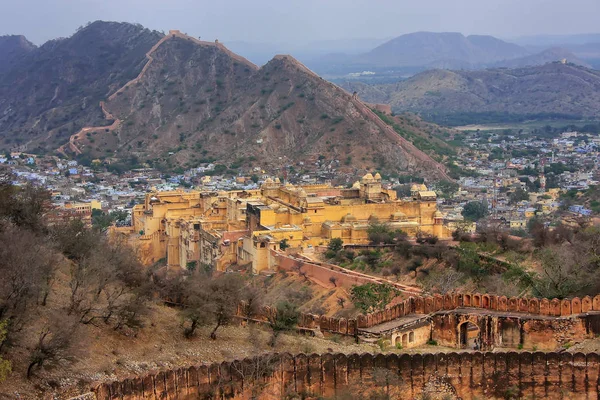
(100, 219)
(284, 244)
(447, 189)
(335, 244)
(284, 319)
(518, 195)
(372, 296)
(475, 210)
(382, 233)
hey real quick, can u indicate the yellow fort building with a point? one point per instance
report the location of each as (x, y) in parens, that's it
(244, 227)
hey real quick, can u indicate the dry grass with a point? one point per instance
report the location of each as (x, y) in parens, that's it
(103, 354)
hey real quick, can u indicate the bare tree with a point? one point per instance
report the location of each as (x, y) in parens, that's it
(27, 268)
(333, 280)
(443, 281)
(52, 344)
(210, 301)
(563, 274)
(254, 371)
(23, 206)
(226, 294)
(252, 301)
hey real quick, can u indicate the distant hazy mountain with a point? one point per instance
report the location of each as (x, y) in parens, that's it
(544, 57)
(12, 49)
(443, 50)
(554, 88)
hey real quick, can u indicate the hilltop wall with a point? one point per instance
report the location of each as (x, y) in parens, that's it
(453, 375)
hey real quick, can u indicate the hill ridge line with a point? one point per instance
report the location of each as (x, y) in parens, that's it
(72, 145)
(414, 153)
(408, 146)
(366, 112)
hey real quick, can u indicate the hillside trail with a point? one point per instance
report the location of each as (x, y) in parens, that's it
(72, 144)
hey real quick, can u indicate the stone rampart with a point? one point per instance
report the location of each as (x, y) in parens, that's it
(434, 304)
(444, 375)
(323, 272)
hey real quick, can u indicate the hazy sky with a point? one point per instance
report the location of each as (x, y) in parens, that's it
(297, 21)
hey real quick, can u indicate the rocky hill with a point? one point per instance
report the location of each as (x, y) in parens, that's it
(54, 90)
(122, 92)
(197, 102)
(442, 50)
(544, 57)
(561, 89)
(12, 49)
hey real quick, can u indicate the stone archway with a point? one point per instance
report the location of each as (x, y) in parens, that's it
(398, 341)
(469, 336)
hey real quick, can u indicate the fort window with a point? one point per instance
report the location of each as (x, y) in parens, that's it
(411, 337)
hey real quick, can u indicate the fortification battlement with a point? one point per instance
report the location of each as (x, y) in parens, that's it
(460, 375)
(432, 304)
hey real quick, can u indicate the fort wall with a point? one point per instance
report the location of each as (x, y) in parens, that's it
(447, 375)
(515, 322)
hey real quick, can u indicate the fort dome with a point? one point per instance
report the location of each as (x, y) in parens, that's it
(348, 218)
(367, 177)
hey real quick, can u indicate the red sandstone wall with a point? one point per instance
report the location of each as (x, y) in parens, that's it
(467, 375)
(444, 327)
(322, 272)
(547, 334)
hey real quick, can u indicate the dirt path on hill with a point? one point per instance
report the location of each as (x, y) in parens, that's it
(72, 144)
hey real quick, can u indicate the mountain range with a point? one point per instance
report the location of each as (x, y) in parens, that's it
(441, 50)
(118, 91)
(551, 90)
(415, 52)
